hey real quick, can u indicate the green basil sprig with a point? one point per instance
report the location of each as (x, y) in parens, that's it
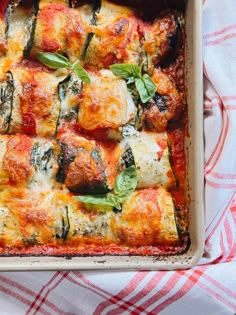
(133, 74)
(125, 184)
(58, 61)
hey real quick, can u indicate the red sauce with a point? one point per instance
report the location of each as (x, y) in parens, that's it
(29, 124)
(46, 17)
(3, 6)
(121, 31)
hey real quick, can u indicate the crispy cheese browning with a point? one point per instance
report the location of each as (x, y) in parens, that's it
(61, 138)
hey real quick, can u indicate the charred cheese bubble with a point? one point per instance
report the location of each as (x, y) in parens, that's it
(116, 37)
(149, 152)
(162, 39)
(36, 103)
(106, 103)
(147, 219)
(81, 165)
(166, 105)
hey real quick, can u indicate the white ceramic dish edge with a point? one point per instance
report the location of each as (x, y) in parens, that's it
(196, 181)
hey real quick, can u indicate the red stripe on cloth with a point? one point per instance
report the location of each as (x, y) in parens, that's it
(221, 137)
(210, 291)
(214, 105)
(205, 71)
(223, 176)
(91, 289)
(149, 287)
(228, 97)
(131, 286)
(170, 283)
(218, 284)
(15, 295)
(41, 299)
(229, 233)
(211, 105)
(216, 225)
(224, 98)
(218, 185)
(220, 145)
(97, 290)
(20, 298)
(232, 255)
(20, 287)
(222, 246)
(220, 40)
(43, 287)
(222, 31)
(187, 286)
(26, 290)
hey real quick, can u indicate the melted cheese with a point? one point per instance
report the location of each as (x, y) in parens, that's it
(147, 218)
(26, 162)
(59, 29)
(51, 217)
(73, 129)
(151, 157)
(17, 37)
(116, 38)
(106, 103)
(36, 102)
(28, 218)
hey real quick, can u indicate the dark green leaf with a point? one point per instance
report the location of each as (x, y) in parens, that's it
(81, 72)
(53, 60)
(146, 88)
(127, 71)
(125, 183)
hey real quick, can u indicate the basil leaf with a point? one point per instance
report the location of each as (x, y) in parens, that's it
(127, 71)
(53, 60)
(95, 200)
(146, 88)
(113, 199)
(125, 183)
(132, 73)
(150, 85)
(81, 72)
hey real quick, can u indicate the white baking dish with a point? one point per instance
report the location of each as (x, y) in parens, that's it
(195, 152)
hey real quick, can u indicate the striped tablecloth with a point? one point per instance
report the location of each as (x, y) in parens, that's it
(210, 287)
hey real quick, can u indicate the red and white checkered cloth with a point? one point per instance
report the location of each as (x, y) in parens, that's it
(212, 284)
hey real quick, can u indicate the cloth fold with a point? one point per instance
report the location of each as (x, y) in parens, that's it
(211, 285)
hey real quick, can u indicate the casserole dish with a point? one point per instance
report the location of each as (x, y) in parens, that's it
(194, 143)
